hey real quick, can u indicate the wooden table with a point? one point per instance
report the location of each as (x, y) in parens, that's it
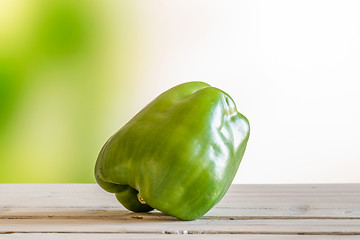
(268, 212)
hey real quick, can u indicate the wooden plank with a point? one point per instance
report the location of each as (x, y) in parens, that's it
(298, 188)
(69, 211)
(117, 236)
(161, 226)
(241, 202)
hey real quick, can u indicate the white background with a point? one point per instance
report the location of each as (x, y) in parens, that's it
(292, 67)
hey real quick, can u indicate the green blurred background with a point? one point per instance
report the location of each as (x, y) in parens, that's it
(57, 80)
(73, 72)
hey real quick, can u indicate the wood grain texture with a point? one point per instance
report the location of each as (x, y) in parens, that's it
(111, 236)
(116, 236)
(75, 211)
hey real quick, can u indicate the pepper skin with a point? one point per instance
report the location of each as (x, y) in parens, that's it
(179, 154)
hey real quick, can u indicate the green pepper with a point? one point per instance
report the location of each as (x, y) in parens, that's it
(179, 154)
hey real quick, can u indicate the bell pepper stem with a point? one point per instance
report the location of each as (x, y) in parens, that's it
(141, 200)
(129, 198)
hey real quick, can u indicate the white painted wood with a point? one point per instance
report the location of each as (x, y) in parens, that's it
(117, 236)
(164, 226)
(241, 201)
(70, 211)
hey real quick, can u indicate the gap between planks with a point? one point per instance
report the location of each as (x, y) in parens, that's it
(212, 218)
(192, 232)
